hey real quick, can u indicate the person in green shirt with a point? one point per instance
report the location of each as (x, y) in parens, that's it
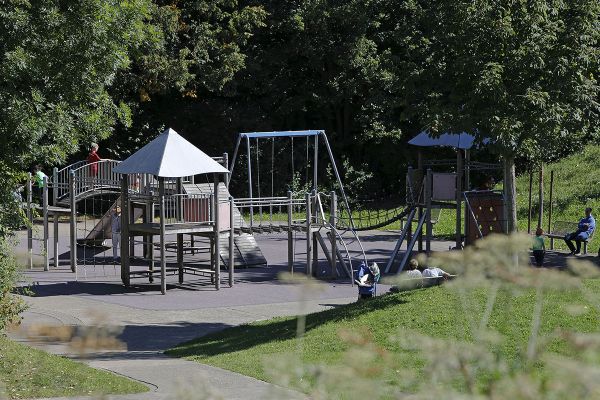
(538, 247)
(38, 182)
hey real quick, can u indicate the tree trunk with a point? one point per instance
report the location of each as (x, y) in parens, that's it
(510, 192)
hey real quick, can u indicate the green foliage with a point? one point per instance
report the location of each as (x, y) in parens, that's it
(59, 60)
(522, 73)
(10, 304)
(501, 330)
(29, 373)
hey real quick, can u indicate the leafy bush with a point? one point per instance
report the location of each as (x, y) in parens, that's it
(10, 305)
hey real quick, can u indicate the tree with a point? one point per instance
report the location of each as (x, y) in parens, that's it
(59, 59)
(183, 78)
(523, 73)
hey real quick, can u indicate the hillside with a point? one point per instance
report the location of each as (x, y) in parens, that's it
(576, 186)
(264, 349)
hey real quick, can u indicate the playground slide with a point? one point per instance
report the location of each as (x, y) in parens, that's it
(103, 230)
(247, 252)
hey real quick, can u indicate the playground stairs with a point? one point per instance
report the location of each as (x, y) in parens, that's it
(247, 252)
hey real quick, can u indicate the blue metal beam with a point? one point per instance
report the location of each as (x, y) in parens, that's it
(281, 134)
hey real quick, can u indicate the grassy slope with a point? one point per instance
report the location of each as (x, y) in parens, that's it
(29, 373)
(576, 186)
(243, 349)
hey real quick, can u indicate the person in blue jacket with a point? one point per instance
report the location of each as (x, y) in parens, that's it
(367, 278)
(585, 228)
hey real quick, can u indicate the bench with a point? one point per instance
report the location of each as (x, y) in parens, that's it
(561, 228)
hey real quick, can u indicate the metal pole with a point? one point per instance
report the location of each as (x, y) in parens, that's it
(231, 241)
(46, 230)
(541, 197)
(332, 236)
(530, 196)
(163, 261)
(217, 233)
(550, 209)
(250, 182)
(30, 218)
(344, 197)
(73, 233)
(428, 225)
(308, 270)
(459, 173)
(316, 157)
(235, 153)
(290, 234)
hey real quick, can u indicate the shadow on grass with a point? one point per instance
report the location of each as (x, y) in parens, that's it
(247, 336)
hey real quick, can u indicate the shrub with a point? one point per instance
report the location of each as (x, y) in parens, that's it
(10, 305)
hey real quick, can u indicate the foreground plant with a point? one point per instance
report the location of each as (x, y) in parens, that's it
(476, 365)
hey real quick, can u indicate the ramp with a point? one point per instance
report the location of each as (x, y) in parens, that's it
(103, 229)
(246, 253)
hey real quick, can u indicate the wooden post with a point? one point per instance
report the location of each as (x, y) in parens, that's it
(149, 240)
(125, 262)
(55, 218)
(530, 196)
(467, 169)
(541, 196)
(290, 234)
(46, 227)
(428, 227)
(180, 256)
(217, 233)
(550, 209)
(179, 202)
(73, 225)
(30, 219)
(231, 239)
(308, 270)
(226, 165)
(459, 175)
(332, 237)
(163, 260)
(411, 179)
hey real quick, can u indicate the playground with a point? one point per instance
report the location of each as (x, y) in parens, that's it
(195, 259)
(208, 239)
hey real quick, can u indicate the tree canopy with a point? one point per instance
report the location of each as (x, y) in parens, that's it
(372, 73)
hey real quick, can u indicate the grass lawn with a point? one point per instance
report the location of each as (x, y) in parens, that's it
(436, 312)
(30, 373)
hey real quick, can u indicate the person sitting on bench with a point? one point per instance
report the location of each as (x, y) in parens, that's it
(585, 228)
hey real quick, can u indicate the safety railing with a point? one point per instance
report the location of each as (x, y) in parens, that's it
(60, 179)
(270, 211)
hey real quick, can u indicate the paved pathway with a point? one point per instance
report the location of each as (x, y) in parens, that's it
(150, 323)
(147, 333)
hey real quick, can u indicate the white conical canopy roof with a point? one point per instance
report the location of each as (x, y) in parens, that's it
(169, 156)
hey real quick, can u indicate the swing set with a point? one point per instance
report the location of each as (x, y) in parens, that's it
(309, 209)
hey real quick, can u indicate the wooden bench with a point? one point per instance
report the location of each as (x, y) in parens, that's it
(561, 228)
